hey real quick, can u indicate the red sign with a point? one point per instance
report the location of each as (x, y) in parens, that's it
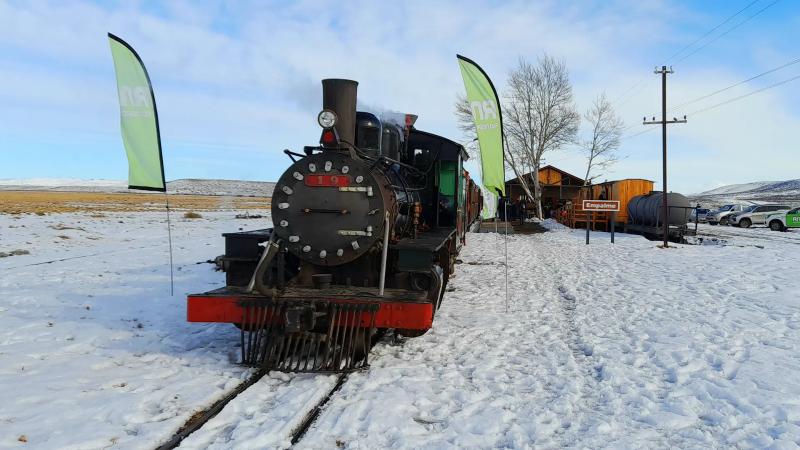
(601, 205)
(327, 180)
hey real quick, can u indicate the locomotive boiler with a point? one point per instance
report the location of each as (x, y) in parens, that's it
(366, 228)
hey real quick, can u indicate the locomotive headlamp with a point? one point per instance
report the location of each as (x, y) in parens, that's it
(326, 118)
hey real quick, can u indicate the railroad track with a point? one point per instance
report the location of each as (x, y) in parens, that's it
(200, 419)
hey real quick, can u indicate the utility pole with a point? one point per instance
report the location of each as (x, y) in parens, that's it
(664, 122)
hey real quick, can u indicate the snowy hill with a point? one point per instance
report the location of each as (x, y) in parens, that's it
(190, 186)
(221, 187)
(760, 191)
(62, 184)
(737, 188)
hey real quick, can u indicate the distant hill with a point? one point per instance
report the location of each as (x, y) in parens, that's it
(737, 188)
(758, 192)
(221, 187)
(189, 186)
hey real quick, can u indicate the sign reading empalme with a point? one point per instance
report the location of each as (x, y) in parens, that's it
(601, 205)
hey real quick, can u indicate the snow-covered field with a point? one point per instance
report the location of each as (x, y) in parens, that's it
(94, 352)
(615, 346)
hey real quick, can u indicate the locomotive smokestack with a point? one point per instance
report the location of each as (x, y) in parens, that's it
(340, 97)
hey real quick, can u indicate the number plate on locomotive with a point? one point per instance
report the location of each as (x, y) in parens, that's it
(327, 180)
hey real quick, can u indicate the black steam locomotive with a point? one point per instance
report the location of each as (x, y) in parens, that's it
(366, 229)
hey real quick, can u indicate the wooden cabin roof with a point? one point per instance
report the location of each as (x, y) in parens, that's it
(624, 179)
(577, 181)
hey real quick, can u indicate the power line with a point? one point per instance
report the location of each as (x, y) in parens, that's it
(727, 31)
(624, 97)
(711, 31)
(790, 63)
(715, 106)
(631, 136)
(735, 99)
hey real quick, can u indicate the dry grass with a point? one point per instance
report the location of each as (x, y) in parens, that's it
(44, 202)
(192, 215)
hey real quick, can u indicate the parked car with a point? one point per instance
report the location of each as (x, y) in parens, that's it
(781, 221)
(755, 215)
(698, 215)
(721, 215)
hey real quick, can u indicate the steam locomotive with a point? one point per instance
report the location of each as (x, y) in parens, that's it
(366, 229)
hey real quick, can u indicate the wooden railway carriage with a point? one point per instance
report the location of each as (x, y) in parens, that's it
(367, 226)
(474, 200)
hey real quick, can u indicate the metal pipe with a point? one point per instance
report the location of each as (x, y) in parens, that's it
(664, 151)
(271, 249)
(340, 96)
(384, 253)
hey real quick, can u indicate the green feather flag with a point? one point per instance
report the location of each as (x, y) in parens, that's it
(488, 119)
(138, 119)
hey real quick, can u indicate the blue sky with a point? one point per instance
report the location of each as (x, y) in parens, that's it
(238, 82)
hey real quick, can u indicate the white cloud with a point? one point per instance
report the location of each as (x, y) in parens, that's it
(245, 76)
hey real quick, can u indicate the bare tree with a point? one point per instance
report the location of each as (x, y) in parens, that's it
(466, 124)
(606, 133)
(540, 114)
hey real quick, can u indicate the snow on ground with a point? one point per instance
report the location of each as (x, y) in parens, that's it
(615, 346)
(265, 415)
(756, 236)
(94, 352)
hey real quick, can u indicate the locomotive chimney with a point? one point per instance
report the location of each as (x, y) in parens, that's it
(339, 96)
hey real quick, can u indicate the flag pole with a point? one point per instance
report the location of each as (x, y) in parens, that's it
(169, 238)
(488, 118)
(506, 248)
(141, 135)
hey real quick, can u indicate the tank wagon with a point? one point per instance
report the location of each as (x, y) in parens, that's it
(366, 229)
(646, 216)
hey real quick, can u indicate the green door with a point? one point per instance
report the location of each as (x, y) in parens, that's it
(793, 218)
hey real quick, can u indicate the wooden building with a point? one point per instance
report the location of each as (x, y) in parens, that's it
(622, 190)
(563, 193)
(558, 188)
